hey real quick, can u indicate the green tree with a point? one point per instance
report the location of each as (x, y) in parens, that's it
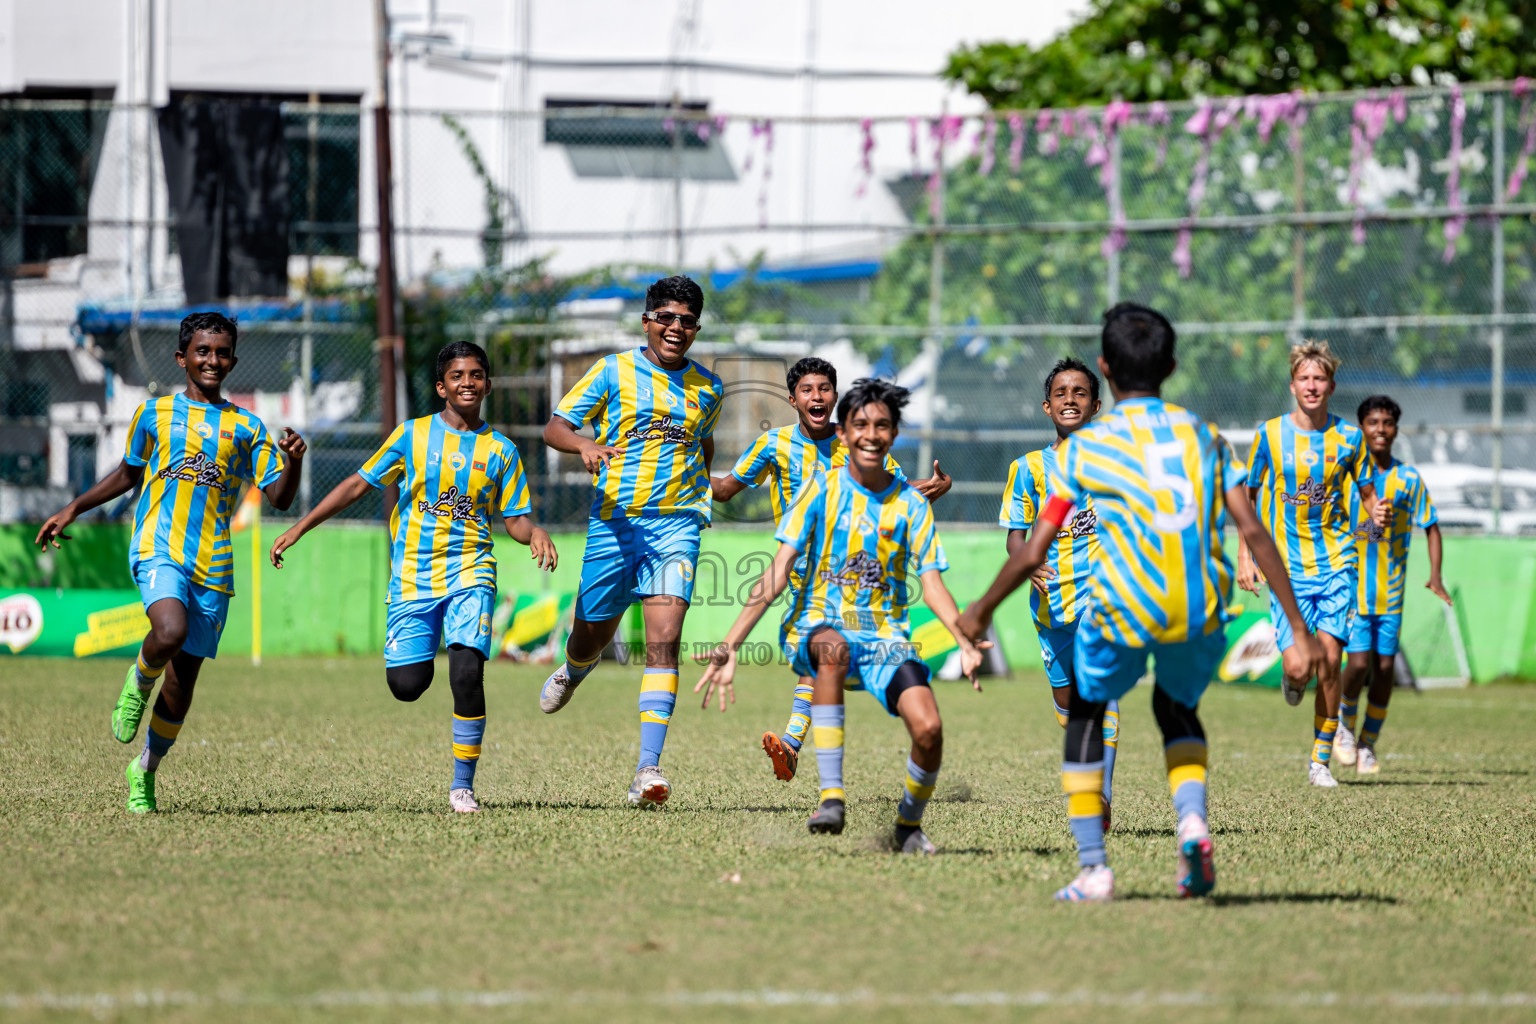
(1143, 50)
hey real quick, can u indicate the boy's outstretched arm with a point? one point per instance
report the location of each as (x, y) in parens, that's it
(722, 660)
(939, 601)
(280, 492)
(1267, 559)
(936, 486)
(114, 485)
(1020, 566)
(1248, 575)
(562, 437)
(1434, 586)
(535, 538)
(342, 495)
(724, 488)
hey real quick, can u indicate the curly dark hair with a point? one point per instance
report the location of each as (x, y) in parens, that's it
(1070, 365)
(460, 350)
(1381, 402)
(676, 288)
(211, 321)
(810, 366)
(869, 390)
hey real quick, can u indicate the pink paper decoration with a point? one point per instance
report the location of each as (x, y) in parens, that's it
(1522, 89)
(1370, 118)
(986, 137)
(1456, 224)
(944, 130)
(866, 153)
(1015, 141)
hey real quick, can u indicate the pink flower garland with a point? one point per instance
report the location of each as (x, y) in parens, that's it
(1522, 90)
(986, 138)
(866, 151)
(762, 130)
(1208, 123)
(944, 130)
(912, 123)
(1370, 118)
(1457, 223)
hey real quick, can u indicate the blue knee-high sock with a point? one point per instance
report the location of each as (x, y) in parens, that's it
(1186, 775)
(827, 729)
(578, 670)
(467, 736)
(1084, 786)
(658, 696)
(1111, 742)
(158, 740)
(799, 716)
(914, 801)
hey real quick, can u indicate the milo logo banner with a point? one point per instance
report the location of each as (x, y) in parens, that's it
(1252, 656)
(71, 623)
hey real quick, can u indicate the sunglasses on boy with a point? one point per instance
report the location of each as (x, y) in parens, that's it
(665, 318)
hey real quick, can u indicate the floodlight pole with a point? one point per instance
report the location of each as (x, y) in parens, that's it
(388, 328)
(1496, 336)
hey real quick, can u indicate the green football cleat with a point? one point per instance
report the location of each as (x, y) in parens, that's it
(130, 708)
(141, 789)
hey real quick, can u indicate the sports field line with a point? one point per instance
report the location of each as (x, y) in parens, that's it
(764, 998)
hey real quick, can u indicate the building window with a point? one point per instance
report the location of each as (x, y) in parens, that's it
(1480, 403)
(50, 145)
(628, 139)
(323, 148)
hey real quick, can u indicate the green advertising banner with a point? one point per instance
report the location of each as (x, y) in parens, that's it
(71, 623)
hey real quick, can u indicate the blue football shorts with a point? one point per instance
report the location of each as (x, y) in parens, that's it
(1325, 603)
(159, 578)
(415, 629)
(1377, 633)
(627, 559)
(1107, 671)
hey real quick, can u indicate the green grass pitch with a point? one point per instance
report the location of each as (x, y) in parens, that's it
(304, 865)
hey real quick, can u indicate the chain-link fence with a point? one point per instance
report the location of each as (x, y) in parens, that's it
(961, 256)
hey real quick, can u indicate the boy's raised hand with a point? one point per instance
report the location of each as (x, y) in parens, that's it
(542, 549)
(53, 530)
(718, 675)
(292, 445)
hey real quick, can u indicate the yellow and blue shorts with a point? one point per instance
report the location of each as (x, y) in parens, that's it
(160, 578)
(415, 629)
(627, 559)
(1374, 633)
(1325, 603)
(1056, 644)
(872, 661)
(1107, 671)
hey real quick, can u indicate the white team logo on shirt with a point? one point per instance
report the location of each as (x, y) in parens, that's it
(204, 430)
(456, 461)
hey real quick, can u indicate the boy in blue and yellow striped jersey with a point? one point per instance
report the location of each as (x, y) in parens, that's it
(1383, 568)
(654, 413)
(1298, 469)
(863, 540)
(457, 475)
(197, 449)
(1162, 482)
(1059, 588)
(787, 458)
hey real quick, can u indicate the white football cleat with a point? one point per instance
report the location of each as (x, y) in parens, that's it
(462, 801)
(650, 788)
(557, 690)
(1319, 775)
(1344, 745)
(1367, 763)
(1197, 869)
(1094, 884)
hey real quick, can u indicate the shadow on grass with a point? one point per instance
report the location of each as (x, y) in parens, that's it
(262, 811)
(1169, 833)
(1265, 898)
(1411, 782)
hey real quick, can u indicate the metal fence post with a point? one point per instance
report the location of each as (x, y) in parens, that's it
(677, 183)
(1298, 242)
(935, 300)
(1496, 336)
(1116, 211)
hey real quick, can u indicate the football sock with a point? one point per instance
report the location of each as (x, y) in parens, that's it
(578, 670)
(467, 735)
(827, 729)
(158, 740)
(1375, 714)
(799, 716)
(1348, 709)
(1084, 786)
(1111, 741)
(658, 696)
(145, 674)
(919, 791)
(1323, 730)
(1061, 699)
(1186, 759)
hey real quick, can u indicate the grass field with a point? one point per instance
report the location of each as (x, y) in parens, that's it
(303, 864)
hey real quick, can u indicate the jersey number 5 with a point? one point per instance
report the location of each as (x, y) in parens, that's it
(1161, 480)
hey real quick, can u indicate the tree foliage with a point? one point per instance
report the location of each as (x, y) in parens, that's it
(1144, 50)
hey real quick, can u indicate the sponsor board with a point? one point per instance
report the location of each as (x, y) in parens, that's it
(71, 623)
